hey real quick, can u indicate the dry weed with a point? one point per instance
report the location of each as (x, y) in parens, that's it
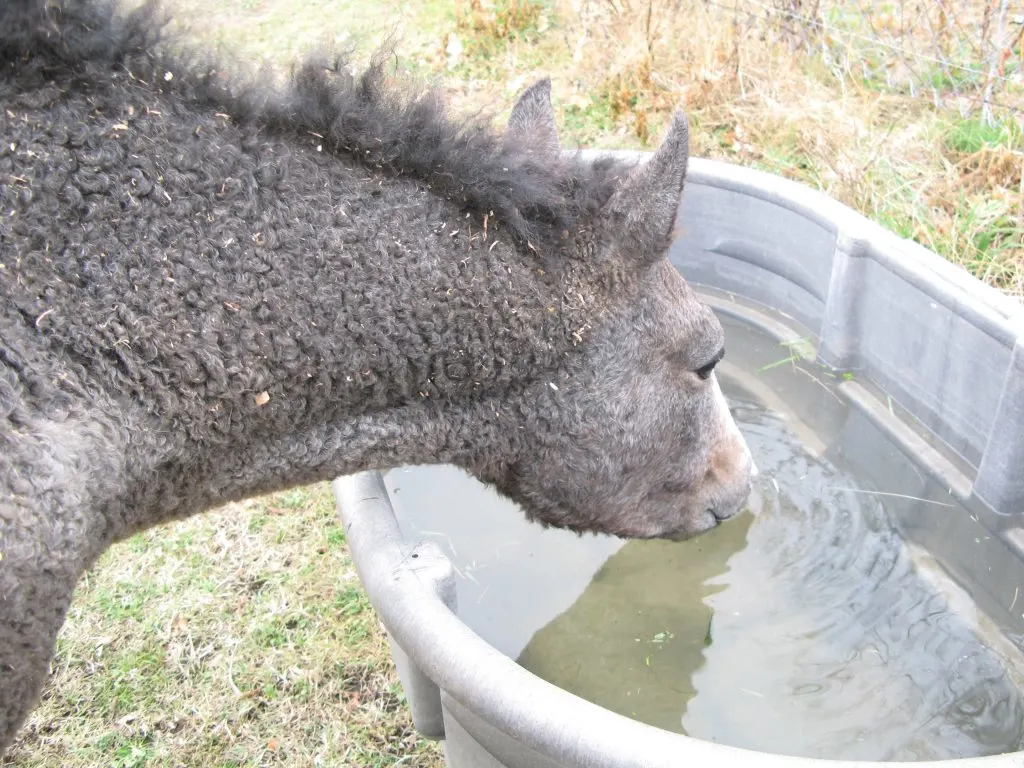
(785, 108)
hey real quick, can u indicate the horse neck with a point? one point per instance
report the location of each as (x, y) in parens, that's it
(247, 313)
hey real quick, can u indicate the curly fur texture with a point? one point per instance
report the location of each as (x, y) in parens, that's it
(213, 287)
(385, 125)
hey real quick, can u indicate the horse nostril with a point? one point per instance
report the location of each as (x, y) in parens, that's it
(724, 513)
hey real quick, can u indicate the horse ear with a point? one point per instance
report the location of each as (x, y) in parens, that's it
(533, 118)
(642, 211)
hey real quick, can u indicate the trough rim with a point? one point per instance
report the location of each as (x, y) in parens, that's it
(911, 260)
(550, 720)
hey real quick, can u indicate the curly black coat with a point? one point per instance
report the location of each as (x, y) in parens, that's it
(212, 286)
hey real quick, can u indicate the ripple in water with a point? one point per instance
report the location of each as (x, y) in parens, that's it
(828, 640)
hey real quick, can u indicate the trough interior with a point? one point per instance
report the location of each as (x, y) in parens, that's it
(596, 615)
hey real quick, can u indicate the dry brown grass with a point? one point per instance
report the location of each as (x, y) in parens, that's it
(949, 180)
(910, 160)
(873, 103)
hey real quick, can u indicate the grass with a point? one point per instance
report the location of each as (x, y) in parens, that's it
(238, 638)
(242, 637)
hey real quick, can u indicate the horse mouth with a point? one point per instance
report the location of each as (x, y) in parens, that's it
(707, 520)
(726, 513)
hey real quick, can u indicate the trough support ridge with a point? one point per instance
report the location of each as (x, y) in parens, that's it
(839, 345)
(1000, 481)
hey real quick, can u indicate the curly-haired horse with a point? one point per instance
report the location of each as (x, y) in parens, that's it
(213, 286)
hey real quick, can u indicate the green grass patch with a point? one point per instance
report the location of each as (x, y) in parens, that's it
(253, 646)
(970, 135)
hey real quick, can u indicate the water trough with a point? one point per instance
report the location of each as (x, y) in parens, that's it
(927, 359)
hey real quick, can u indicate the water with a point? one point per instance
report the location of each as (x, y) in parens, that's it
(807, 626)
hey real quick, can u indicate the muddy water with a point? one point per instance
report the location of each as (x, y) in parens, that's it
(806, 626)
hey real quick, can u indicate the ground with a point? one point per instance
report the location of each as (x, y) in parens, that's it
(242, 637)
(238, 638)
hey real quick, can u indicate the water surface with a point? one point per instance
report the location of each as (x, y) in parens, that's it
(806, 626)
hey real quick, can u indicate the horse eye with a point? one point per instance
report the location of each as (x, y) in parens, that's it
(704, 372)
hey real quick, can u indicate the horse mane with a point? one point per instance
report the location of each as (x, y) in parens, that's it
(376, 119)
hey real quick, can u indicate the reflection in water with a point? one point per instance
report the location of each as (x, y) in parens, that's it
(805, 627)
(633, 640)
(513, 575)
